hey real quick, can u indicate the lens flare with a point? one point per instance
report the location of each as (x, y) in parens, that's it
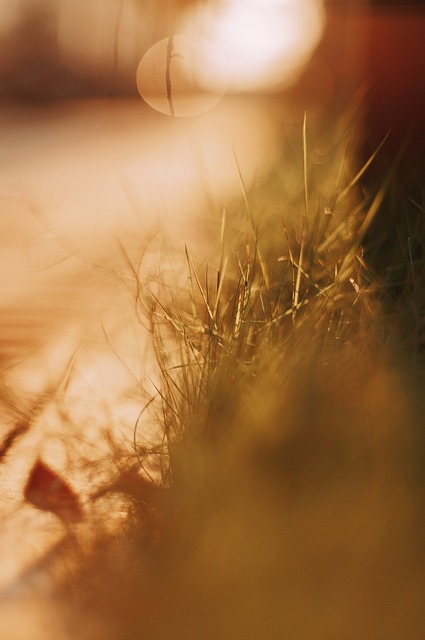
(170, 78)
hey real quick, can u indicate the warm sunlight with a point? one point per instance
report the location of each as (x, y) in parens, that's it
(254, 44)
(170, 78)
(229, 47)
(212, 336)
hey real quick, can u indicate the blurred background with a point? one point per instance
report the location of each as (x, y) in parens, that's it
(54, 49)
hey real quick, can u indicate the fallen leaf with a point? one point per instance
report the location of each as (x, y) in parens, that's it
(46, 490)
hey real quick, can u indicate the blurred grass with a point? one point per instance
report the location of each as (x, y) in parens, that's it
(292, 265)
(291, 410)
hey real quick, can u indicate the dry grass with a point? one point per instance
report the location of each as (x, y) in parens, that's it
(291, 459)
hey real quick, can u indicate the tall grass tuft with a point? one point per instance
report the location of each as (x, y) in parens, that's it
(291, 267)
(291, 457)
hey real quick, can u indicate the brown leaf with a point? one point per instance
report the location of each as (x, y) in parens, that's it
(46, 490)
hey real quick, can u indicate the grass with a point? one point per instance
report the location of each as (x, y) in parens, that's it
(292, 263)
(288, 495)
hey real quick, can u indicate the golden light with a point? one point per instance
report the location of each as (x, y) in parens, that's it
(254, 45)
(170, 78)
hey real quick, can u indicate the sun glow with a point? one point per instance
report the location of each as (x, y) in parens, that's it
(255, 45)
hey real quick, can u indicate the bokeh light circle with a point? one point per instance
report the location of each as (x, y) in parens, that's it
(170, 78)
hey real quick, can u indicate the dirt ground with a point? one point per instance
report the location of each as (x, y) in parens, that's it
(82, 184)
